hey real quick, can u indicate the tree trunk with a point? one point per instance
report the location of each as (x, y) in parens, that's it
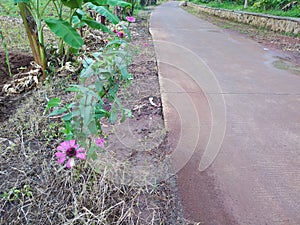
(119, 11)
(38, 50)
(245, 4)
(102, 19)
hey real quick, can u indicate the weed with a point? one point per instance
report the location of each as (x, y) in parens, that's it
(6, 52)
(18, 194)
(52, 132)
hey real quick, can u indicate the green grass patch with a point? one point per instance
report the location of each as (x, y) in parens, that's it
(294, 12)
(8, 8)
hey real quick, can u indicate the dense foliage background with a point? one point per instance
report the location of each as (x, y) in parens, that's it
(289, 8)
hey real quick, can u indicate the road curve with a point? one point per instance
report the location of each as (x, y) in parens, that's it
(233, 120)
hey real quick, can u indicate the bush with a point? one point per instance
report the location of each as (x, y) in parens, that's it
(270, 4)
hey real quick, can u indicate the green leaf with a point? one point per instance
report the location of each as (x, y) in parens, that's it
(128, 113)
(69, 137)
(73, 50)
(73, 88)
(53, 102)
(87, 72)
(96, 2)
(64, 30)
(80, 13)
(68, 131)
(87, 115)
(123, 116)
(86, 109)
(94, 156)
(103, 11)
(93, 127)
(98, 124)
(88, 92)
(119, 3)
(77, 23)
(124, 72)
(95, 25)
(113, 114)
(113, 91)
(116, 42)
(87, 61)
(100, 113)
(19, 1)
(99, 86)
(58, 112)
(71, 106)
(72, 3)
(76, 113)
(67, 117)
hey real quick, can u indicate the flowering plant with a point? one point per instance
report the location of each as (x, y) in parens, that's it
(130, 19)
(103, 74)
(69, 150)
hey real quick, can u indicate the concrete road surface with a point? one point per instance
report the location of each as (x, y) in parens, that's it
(234, 122)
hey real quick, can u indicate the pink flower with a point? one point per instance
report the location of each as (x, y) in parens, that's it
(69, 150)
(100, 142)
(130, 19)
(120, 34)
(146, 44)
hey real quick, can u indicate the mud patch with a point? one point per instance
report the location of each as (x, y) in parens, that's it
(19, 62)
(286, 64)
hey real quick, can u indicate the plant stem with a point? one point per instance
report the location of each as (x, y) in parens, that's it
(56, 8)
(60, 10)
(70, 16)
(44, 8)
(6, 53)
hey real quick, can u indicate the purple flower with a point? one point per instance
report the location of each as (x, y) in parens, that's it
(69, 150)
(100, 142)
(130, 19)
(120, 34)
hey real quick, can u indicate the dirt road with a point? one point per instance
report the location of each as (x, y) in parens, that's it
(233, 114)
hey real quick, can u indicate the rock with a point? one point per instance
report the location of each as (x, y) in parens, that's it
(184, 4)
(274, 23)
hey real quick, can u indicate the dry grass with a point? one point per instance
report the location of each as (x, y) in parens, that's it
(36, 190)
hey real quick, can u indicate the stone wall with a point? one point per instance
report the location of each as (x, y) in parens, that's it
(274, 23)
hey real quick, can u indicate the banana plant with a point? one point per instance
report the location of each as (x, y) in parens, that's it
(33, 26)
(33, 16)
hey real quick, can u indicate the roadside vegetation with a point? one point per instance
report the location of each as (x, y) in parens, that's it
(285, 8)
